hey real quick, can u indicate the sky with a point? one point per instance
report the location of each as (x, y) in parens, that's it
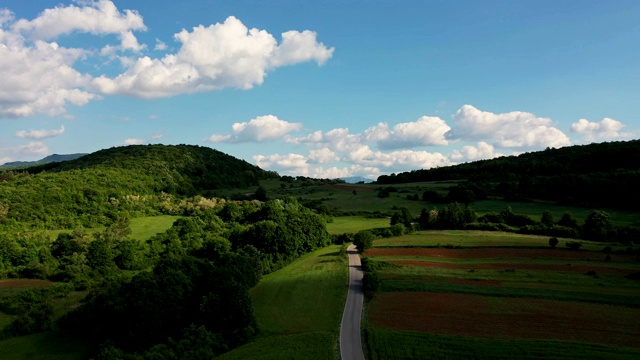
(323, 89)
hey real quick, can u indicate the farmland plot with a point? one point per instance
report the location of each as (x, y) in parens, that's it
(524, 301)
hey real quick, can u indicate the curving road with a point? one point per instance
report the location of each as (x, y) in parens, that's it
(350, 339)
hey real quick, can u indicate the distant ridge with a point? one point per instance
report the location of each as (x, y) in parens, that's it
(356, 179)
(49, 159)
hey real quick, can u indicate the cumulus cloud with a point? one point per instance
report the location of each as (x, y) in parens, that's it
(516, 129)
(30, 150)
(39, 78)
(40, 134)
(322, 156)
(223, 55)
(38, 75)
(471, 153)
(133, 142)
(259, 129)
(425, 131)
(98, 18)
(607, 129)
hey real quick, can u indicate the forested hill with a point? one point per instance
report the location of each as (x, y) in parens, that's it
(595, 174)
(138, 179)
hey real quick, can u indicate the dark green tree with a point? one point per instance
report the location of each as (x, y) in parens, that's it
(598, 226)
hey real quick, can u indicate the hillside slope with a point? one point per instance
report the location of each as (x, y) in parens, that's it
(136, 179)
(595, 174)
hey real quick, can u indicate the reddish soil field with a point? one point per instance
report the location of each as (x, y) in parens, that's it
(475, 282)
(537, 267)
(487, 253)
(23, 283)
(506, 318)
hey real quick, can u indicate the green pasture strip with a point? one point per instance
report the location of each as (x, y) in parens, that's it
(300, 306)
(353, 224)
(311, 346)
(603, 297)
(142, 228)
(478, 238)
(534, 210)
(44, 346)
(306, 296)
(389, 344)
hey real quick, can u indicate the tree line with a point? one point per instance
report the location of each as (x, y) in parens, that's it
(595, 175)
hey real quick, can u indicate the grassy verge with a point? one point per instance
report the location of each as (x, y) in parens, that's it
(299, 309)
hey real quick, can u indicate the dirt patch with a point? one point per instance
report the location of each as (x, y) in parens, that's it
(487, 253)
(23, 283)
(536, 267)
(506, 318)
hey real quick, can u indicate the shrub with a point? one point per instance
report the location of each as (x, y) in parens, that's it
(553, 242)
(573, 245)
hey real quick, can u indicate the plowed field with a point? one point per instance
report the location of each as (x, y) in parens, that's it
(487, 253)
(516, 266)
(506, 318)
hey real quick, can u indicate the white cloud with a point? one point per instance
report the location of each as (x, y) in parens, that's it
(472, 153)
(98, 18)
(259, 129)
(509, 130)
(322, 156)
(133, 142)
(40, 134)
(38, 75)
(34, 148)
(4, 160)
(160, 46)
(290, 161)
(39, 78)
(607, 129)
(423, 132)
(219, 56)
(297, 47)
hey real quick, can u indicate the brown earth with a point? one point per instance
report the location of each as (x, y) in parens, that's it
(487, 253)
(506, 318)
(537, 267)
(23, 283)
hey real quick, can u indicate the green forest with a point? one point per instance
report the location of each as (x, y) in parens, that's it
(184, 292)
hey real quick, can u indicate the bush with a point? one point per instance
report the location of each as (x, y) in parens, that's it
(573, 245)
(553, 242)
(363, 240)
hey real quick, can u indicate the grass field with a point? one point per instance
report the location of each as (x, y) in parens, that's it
(501, 295)
(353, 224)
(142, 228)
(298, 309)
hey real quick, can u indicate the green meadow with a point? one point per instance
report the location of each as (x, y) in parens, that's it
(299, 309)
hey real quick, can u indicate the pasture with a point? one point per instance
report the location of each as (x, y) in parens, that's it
(455, 294)
(298, 309)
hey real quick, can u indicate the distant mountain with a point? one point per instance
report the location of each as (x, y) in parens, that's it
(46, 160)
(356, 179)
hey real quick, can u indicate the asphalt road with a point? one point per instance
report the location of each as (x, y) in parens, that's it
(350, 339)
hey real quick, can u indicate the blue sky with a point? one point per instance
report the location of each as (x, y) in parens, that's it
(320, 89)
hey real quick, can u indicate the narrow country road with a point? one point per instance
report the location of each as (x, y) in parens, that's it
(350, 340)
